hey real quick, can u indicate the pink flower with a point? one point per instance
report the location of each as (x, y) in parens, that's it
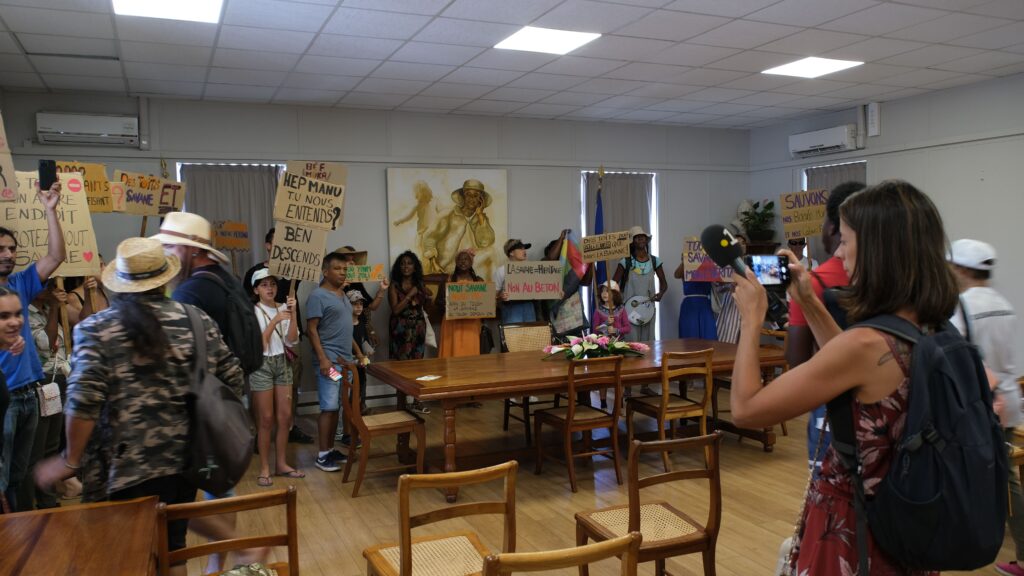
(639, 346)
(547, 349)
(603, 341)
(575, 341)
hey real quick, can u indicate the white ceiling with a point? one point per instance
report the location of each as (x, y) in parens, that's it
(689, 62)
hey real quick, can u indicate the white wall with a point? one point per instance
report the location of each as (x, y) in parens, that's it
(963, 146)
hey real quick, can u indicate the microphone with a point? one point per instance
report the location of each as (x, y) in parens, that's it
(723, 248)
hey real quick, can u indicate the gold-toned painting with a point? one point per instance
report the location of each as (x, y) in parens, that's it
(438, 212)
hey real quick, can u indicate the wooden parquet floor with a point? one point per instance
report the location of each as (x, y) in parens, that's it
(761, 498)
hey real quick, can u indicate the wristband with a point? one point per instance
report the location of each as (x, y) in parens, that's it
(68, 465)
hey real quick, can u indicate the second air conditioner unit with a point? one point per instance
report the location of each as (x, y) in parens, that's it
(827, 141)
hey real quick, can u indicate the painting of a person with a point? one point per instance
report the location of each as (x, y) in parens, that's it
(421, 211)
(466, 226)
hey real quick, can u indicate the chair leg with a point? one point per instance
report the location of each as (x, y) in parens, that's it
(615, 452)
(537, 423)
(581, 540)
(421, 446)
(567, 442)
(504, 420)
(661, 436)
(364, 455)
(714, 404)
(659, 567)
(629, 424)
(709, 561)
(526, 418)
(785, 431)
(348, 462)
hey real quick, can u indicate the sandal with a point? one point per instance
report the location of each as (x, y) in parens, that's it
(291, 474)
(264, 481)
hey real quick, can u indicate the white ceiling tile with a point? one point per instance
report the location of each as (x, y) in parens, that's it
(718, 94)
(15, 63)
(679, 105)
(727, 108)
(608, 86)
(453, 90)
(353, 47)
(983, 62)
(809, 12)
(484, 76)
(242, 38)
(246, 77)
(595, 112)
(545, 110)
(56, 22)
(434, 103)
(518, 94)
(1007, 70)
(511, 60)
(957, 81)
(708, 77)
(254, 59)
(918, 77)
(235, 92)
(276, 15)
(465, 32)
(622, 48)
(883, 18)
(491, 107)
(859, 91)
(949, 27)
(429, 53)
(171, 72)
(317, 81)
(689, 119)
(391, 86)
(409, 71)
(945, 4)
(774, 112)
(691, 54)
(670, 25)
(165, 31)
(86, 83)
(368, 100)
(575, 98)
(812, 42)
(165, 87)
(753, 61)
(336, 66)
(815, 102)
(765, 99)
(165, 53)
(629, 101)
(813, 87)
(546, 81)
(8, 45)
(644, 115)
(46, 44)
(47, 65)
(726, 122)
(303, 96)
(745, 34)
(904, 93)
(1013, 9)
(647, 72)
(77, 5)
(730, 8)
(930, 56)
(20, 80)
(994, 39)
(502, 11)
(657, 90)
(354, 22)
(868, 73)
(874, 49)
(760, 82)
(425, 7)
(589, 16)
(1015, 49)
(580, 66)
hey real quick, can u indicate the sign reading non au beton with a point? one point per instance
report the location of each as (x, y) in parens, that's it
(611, 246)
(539, 280)
(469, 300)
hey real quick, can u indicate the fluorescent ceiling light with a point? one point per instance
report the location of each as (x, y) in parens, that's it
(812, 67)
(546, 40)
(190, 10)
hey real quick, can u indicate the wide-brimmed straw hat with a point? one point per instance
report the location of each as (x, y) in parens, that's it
(358, 256)
(185, 229)
(458, 196)
(140, 265)
(638, 231)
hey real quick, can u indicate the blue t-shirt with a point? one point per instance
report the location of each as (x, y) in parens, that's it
(23, 369)
(335, 327)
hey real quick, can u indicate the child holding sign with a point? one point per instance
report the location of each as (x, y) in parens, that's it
(610, 315)
(460, 337)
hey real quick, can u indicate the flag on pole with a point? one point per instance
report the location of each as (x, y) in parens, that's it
(600, 271)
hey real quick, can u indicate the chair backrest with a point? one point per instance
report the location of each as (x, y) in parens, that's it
(590, 373)
(710, 445)
(777, 339)
(627, 548)
(683, 366)
(506, 507)
(524, 337)
(350, 400)
(171, 512)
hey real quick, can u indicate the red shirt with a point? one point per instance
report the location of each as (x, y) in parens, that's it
(832, 275)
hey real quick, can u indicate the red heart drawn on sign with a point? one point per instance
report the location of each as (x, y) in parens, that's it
(87, 256)
(7, 194)
(75, 185)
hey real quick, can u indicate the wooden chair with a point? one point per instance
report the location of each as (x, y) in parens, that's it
(586, 374)
(667, 531)
(451, 554)
(668, 407)
(283, 497)
(524, 337)
(625, 547)
(366, 427)
(781, 340)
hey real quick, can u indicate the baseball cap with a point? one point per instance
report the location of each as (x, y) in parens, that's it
(973, 254)
(515, 244)
(260, 275)
(354, 295)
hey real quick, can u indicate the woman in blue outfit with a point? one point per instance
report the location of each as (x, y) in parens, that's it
(696, 320)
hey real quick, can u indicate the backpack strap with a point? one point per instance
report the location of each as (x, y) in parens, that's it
(967, 319)
(212, 276)
(199, 335)
(893, 325)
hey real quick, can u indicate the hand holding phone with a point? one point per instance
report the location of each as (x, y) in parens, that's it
(47, 174)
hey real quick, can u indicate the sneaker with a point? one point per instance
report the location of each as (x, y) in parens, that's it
(297, 436)
(418, 406)
(339, 456)
(329, 462)
(1010, 569)
(346, 441)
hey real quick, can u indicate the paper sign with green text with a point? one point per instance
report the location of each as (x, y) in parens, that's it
(96, 184)
(469, 300)
(803, 213)
(364, 273)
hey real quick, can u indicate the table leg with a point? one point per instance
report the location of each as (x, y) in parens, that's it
(449, 446)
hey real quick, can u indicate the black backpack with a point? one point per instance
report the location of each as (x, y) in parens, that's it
(241, 328)
(943, 503)
(220, 430)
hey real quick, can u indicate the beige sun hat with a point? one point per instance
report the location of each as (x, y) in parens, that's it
(185, 229)
(140, 265)
(638, 231)
(358, 256)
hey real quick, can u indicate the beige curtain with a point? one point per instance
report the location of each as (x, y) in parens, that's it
(829, 177)
(234, 192)
(626, 199)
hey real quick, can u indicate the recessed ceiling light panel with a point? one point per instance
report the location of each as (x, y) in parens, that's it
(546, 40)
(188, 10)
(812, 67)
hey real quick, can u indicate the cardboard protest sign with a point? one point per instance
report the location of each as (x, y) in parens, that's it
(117, 196)
(31, 228)
(699, 267)
(803, 212)
(8, 178)
(307, 201)
(469, 300)
(298, 251)
(96, 184)
(141, 192)
(364, 273)
(533, 280)
(332, 172)
(172, 196)
(601, 247)
(231, 235)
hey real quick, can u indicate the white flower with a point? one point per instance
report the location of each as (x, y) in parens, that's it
(577, 349)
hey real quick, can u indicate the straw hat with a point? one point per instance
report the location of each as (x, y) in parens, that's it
(185, 229)
(140, 265)
(358, 256)
(471, 184)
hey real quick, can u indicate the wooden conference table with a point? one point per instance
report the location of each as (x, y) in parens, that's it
(103, 538)
(518, 374)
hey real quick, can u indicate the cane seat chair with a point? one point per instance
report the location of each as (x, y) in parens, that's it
(625, 548)
(524, 337)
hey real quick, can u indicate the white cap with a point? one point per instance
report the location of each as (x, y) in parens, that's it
(973, 254)
(260, 275)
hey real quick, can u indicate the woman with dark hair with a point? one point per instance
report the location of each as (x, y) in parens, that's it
(407, 295)
(11, 340)
(459, 336)
(914, 283)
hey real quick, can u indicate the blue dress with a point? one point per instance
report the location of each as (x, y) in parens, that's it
(696, 320)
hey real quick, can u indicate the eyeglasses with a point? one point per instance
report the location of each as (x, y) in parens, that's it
(797, 242)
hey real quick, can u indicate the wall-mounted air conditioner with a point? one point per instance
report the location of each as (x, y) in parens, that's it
(827, 141)
(87, 129)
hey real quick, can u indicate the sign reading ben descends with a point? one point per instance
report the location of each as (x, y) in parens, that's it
(298, 251)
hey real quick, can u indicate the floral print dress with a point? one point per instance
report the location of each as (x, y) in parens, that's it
(408, 329)
(828, 539)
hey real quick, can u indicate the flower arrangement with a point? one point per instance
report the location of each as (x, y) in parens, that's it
(595, 346)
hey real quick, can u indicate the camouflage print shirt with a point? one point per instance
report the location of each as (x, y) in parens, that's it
(141, 420)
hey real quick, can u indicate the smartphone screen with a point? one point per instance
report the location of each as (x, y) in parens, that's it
(47, 174)
(770, 270)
